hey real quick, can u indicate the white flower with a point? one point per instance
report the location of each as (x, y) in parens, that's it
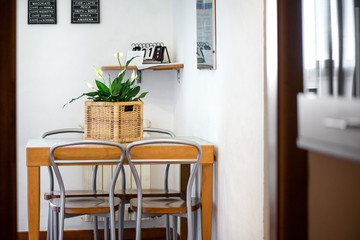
(133, 76)
(98, 72)
(118, 54)
(89, 85)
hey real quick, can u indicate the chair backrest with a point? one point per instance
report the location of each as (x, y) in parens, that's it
(159, 130)
(61, 131)
(170, 141)
(167, 168)
(55, 162)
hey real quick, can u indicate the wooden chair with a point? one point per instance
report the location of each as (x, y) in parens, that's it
(174, 206)
(74, 206)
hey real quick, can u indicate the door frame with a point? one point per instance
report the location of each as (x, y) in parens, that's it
(8, 201)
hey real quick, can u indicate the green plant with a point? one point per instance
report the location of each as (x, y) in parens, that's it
(117, 91)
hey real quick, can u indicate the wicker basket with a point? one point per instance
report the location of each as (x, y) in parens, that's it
(114, 121)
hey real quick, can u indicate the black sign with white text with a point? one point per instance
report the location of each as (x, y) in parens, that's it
(41, 11)
(85, 11)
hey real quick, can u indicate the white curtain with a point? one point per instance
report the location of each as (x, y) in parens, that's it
(329, 33)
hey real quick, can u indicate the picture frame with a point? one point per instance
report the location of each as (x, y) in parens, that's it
(206, 34)
(42, 12)
(85, 11)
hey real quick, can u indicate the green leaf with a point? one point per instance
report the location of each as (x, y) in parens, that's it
(128, 62)
(103, 89)
(133, 93)
(121, 76)
(116, 86)
(91, 94)
(82, 95)
(141, 96)
(110, 85)
(125, 89)
(117, 89)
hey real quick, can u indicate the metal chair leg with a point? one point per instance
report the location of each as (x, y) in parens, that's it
(55, 225)
(195, 217)
(175, 224)
(121, 220)
(167, 219)
(190, 219)
(48, 233)
(106, 228)
(95, 227)
(194, 225)
(200, 217)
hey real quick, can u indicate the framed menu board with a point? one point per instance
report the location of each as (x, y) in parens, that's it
(41, 11)
(85, 11)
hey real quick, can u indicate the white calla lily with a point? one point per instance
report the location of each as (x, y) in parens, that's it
(98, 73)
(89, 85)
(133, 76)
(118, 55)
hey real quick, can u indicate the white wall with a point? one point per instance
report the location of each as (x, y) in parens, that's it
(226, 107)
(53, 61)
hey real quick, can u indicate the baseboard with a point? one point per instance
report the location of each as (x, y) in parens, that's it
(129, 234)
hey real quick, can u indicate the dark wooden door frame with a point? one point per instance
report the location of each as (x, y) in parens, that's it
(292, 162)
(8, 203)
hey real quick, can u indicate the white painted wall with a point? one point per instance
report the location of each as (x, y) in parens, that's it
(53, 61)
(226, 107)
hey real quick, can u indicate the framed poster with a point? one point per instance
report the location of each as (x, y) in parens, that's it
(41, 11)
(85, 11)
(206, 34)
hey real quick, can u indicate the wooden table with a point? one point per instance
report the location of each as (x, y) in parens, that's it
(37, 155)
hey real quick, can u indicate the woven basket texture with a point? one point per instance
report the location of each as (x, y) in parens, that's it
(114, 121)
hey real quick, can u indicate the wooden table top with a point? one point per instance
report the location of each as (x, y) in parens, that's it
(37, 151)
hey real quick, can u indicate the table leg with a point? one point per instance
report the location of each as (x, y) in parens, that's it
(207, 203)
(33, 202)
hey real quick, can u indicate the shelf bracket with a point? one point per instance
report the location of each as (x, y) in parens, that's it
(178, 75)
(138, 72)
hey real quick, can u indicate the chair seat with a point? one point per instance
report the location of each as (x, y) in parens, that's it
(124, 195)
(75, 193)
(172, 205)
(84, 205)
(132, 193)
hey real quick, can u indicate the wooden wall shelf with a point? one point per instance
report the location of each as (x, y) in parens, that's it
(163, 66)
(147, 67)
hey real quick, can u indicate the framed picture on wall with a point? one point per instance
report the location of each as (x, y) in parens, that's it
(206, 34)
(85, 11)
(41, 11)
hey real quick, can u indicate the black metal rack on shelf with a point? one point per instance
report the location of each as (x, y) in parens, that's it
(154, 52)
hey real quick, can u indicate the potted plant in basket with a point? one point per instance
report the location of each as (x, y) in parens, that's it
(115, 112)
